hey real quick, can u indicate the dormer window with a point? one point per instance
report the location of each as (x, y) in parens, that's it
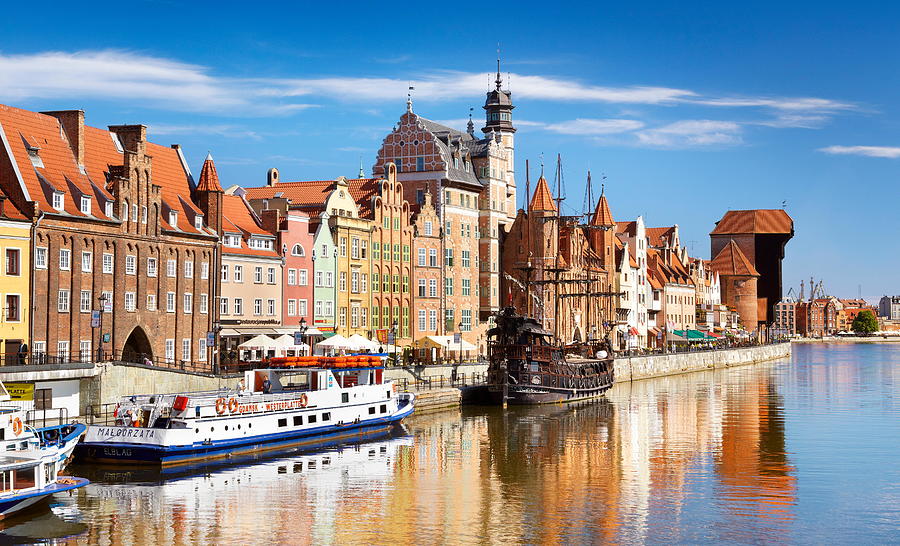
(58, 202)
(108, 209)
(85, 205)
(198, 221)
(232, 241)
(173, 218)
(35, 156)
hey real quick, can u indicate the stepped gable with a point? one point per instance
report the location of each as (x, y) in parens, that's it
(754, 221)
(543, 199)
(731, 261)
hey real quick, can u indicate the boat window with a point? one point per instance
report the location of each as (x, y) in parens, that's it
(282, 422)
(326, 416)
(345, 397)
(388, 395)
(23, 446)
(5, 481)
(10, 447)
(383, 408)
(298, 420)
(372, 410)
(24, 477)
(311, 419)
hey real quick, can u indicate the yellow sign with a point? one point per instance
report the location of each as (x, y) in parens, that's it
(20, 391)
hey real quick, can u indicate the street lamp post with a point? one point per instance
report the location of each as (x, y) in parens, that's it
(302, 330)
(102, 299)
(392, 340)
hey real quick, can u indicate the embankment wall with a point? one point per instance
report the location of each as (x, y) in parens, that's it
(645, 367)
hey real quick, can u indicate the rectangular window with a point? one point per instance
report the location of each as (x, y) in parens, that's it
(204, 270)
(448, 257)
(62, 350)
(303, 310)
(343, 317)
(298, 420)
(151, 302)
(354, 316)
(58, 200)
(354, 248)
(420, 163)
(432, 319)
(130, 264)
(448, 286)
(172, 268)
(326, 416)
(170, 302)
(318, 308)
(428, 228)
(354, 282)
(12, 307)
(310, 419)
(423, 318)
(223, 306)
(151, 267)
(466, 261)
(329, 279)
(342, 281)
(303, 279)
(363, 247)
(84, 350)
(395, 285)
(270, 275)
(65, 259)
(257, 306)
(85, 301)
(257, 275)
(188, 306)
(364, 285)
(62, 301)
(422, 258)
(189, 269)
(342, 244)
(364, 316)
(432, 288)
(40, 257)
(319, 281)
(405, 284)
(238, 306)
(432, 257)
(396, 252)
(291, 308)
(466, 287)
(329, 308)
(107, 301)
(448, 320)
(224, 272)
(396, 224)
(238, 273)
(421, 288)
(406, 253)
(201, 349)
(170, 350)
(292, 277)
(130, 303)
(204, 304)
(186, 349)
(270, 307)
(376, 251)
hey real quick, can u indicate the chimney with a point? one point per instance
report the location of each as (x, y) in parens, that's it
(271, 220)
(272, 177)
(132, 137)
(72, 122)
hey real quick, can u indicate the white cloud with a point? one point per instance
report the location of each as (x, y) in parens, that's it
(793, 104)
(890, 152)
(689, 133)
(224, 130)
(582, 126)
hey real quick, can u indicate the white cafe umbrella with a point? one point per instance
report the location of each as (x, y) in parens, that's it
(336, 341)
(259, 342)
(360, 343)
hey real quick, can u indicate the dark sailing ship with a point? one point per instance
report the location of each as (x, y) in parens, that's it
(529, 364)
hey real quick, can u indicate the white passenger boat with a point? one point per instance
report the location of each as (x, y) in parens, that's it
(31, 459)
(303, 407)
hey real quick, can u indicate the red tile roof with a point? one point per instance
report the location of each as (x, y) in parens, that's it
(239, 216)
(310, 195)
(543, 199)
(602, 214)
(209, 179)
(731, 261)
(754, 221)
(655, 235)
(628, 228)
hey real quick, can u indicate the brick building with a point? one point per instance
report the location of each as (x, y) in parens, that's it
(427, 275)
(739, 280)
(786, 317)
(889, 307)
(115, 227)
(761, 236)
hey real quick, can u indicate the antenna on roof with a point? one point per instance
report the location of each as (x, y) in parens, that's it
(499, 80)
(541, 155)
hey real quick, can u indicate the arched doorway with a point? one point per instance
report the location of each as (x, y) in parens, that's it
(576, 337)
(137, 346)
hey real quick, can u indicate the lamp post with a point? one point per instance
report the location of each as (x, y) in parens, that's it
(392, 340)
(302, 330)
(102, 299)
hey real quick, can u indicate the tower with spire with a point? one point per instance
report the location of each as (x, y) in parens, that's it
(209, 195)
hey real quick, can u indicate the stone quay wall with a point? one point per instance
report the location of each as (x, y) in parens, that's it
(645, 367)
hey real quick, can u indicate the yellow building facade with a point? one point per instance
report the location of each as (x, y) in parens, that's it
(15, 286)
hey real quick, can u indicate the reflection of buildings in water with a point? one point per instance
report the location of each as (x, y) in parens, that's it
(670, 425)
(298, 499)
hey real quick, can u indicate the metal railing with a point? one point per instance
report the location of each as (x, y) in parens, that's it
(40, 418)
(77, 357)
(695, 347)
(460, 380)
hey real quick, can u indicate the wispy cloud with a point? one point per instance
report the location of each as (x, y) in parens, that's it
(224, 130)
(691, 133)
(793, 104)
(890, 152)
(396, 59)
(595, 126)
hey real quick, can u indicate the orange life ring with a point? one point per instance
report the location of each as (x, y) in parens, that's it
(303, 400)
(232, 405)
(220, 405)
(17, 426)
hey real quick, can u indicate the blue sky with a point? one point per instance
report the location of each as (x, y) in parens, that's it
(687, 110)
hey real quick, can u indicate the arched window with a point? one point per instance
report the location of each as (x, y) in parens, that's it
(298, 250)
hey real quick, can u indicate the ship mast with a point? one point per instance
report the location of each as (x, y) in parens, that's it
(559, 199)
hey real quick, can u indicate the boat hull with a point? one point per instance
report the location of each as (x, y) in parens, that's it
(154, 454)
(16, 504)
(530, 395)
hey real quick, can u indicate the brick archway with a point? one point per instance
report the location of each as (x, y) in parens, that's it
(137, 346)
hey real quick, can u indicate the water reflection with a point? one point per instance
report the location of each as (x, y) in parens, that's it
(703, 457)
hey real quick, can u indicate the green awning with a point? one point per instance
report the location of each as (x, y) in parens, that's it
(692, 335)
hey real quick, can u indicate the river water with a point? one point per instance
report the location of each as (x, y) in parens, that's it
(799, 451)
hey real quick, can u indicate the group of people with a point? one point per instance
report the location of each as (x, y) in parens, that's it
(266, 386)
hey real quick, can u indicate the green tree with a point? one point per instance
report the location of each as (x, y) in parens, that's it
(865, 323)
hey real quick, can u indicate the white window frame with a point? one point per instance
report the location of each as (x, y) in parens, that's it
(65, 259)
(85, 301)
(131, 264)
(87, 261)
(40, 257)
(63, 300)
(109, 263)
(152, 269)
(170, 302)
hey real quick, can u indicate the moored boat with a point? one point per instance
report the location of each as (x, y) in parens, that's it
(33, 459)
(527, 366)
(305, 403)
